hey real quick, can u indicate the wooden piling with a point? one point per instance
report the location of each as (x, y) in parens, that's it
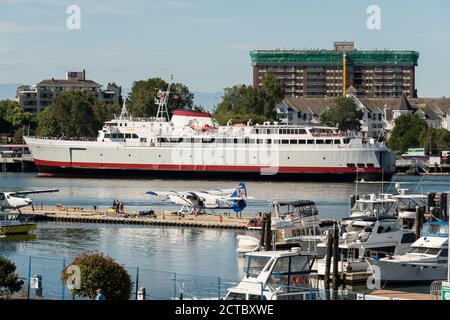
(431, 201)
(419, 219)
(263, 230)
(443, 206)
(353, 199)
(335, 257)
(268, 230)
(328, 257)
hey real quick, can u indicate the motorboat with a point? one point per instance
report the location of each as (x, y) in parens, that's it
(275, 275)
(247, 244)
(293, 223)
(12, 224)
(426, 260)
(373, 228)
(362, 237)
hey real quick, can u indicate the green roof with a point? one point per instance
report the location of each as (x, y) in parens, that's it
(332, 57)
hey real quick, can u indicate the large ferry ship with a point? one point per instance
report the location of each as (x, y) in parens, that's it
(193, 144)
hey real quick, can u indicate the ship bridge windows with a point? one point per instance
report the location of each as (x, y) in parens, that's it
(319, 141)
(292, 131)
(131, 136)
(329, 141)
(337, 141)
(361, 165)
(351, 165)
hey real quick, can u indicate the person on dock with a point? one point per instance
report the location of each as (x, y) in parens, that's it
(121, 207)
(100, 295)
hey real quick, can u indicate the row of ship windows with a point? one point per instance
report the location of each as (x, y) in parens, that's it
(121, 136)
(279, 131)
(253, 141)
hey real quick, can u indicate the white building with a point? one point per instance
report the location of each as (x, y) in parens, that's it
(379, 113)
(35, 98)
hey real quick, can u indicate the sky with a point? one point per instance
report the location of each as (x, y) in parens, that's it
(206, 43)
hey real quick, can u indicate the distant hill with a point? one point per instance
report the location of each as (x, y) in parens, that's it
(207, 99)
(8, 90)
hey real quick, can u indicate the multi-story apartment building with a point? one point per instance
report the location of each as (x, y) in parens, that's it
(35, 98)
(325, 73)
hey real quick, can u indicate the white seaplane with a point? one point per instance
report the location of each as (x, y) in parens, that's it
(10, 223)
(199, 201)
(15, 200)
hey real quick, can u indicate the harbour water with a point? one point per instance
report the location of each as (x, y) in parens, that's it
(207, 252)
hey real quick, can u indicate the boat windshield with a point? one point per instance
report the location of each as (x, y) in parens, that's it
(437, 229)
(372, 208)
(424, 250)
(298, 211)
(254, 265)
(290, 272)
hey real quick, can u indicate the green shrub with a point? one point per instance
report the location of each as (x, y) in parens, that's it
(100, 272)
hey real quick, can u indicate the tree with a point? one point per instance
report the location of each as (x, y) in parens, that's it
(13, 118)
(98, 271)
(141, 100)
(344, 114)
(9, 280)
(406, 133)
(434, 140)
(244, 102)
(74, 113)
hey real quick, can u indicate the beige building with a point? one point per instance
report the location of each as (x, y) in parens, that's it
(35, 98)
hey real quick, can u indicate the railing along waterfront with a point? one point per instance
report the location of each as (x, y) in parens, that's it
(160, 285)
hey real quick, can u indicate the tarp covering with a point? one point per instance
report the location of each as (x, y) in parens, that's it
(355, 57)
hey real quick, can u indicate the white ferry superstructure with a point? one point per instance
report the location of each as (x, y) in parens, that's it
(193, 144)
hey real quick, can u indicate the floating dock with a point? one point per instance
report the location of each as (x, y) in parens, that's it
(394, 294)
(158, 218)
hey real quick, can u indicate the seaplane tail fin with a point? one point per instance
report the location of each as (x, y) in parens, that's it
(240, 194)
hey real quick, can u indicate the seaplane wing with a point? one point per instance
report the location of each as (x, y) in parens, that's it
(162, 194)
(219, 192)
(25, 193)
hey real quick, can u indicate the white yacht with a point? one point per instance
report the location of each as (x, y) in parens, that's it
(426, 261)
(275, 275)
(373, 228)
(293, 223)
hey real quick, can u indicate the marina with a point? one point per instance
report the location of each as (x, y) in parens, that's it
(68, 225)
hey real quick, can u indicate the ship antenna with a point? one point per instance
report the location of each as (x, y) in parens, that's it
(162, 101)
(124, 112)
